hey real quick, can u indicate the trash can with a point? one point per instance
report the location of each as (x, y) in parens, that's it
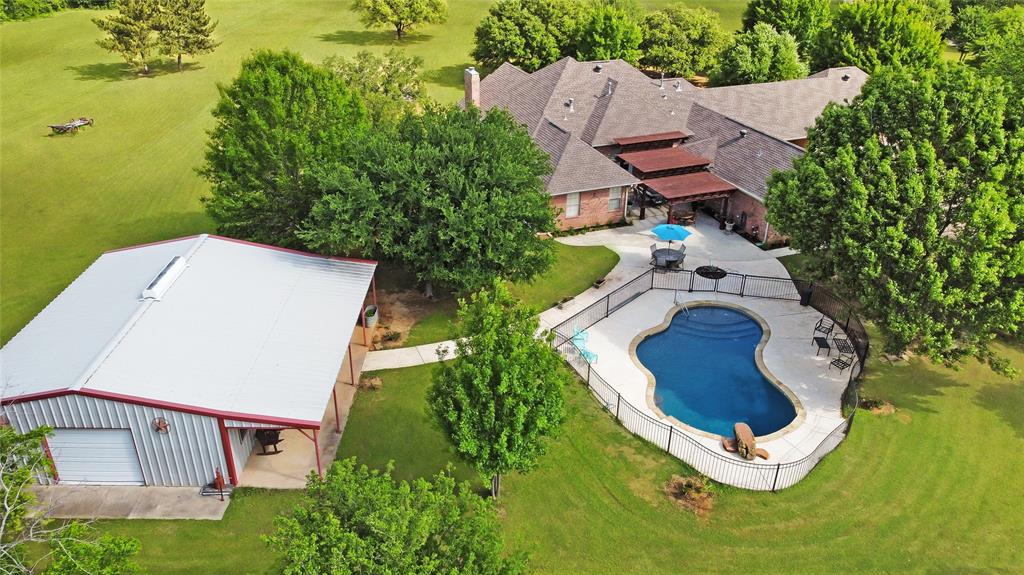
(805, 295)
(371, 315)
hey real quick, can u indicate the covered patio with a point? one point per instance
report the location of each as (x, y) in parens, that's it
(682, 190)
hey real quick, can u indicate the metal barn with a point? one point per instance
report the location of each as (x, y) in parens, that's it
(159, 362)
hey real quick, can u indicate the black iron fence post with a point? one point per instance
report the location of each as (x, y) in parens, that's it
(668, 449)
(691, 282)
(743, 284)
(776, 480)
(618, 401)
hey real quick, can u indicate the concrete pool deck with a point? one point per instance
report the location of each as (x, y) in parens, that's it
(788, 356)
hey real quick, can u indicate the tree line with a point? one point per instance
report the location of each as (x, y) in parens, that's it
(780, 39)
(28, 9)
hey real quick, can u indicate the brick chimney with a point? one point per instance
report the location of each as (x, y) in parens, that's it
(471, 79)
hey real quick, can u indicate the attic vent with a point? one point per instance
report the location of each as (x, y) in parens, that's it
(609, 88)
(571, 104)
(163, 280)
(846, 77)
(597, 68)
(679, 86)
(744, 132)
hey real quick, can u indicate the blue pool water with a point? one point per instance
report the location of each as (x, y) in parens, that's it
(705, 374)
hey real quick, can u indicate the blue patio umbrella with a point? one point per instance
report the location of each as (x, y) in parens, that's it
(670, 232)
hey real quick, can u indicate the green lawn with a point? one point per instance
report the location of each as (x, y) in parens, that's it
(229, 546)
(131, 178)
(933, 488)
(574, 270)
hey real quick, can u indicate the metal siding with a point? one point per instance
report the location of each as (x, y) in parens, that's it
(187, 456)
(242, 446)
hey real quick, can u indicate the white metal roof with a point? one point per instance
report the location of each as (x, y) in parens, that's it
(244, 330)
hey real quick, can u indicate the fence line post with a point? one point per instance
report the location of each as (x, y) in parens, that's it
(669, 448)
(652, 278)
(691, 283)
(776, 480)
(743, 284)
(588, 373)
(607, 304)
(618, 401)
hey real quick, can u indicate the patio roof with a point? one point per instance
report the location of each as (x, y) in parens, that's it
(659, 137)
(690, 187)
(660, 159)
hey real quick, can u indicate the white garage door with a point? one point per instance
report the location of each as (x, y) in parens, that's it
(95, 456)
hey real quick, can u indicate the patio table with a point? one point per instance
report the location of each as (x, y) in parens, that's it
(672, 257)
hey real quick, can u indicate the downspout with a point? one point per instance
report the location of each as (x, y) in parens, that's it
(766, 227)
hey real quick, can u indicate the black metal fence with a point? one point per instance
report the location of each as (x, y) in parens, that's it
(702, 457)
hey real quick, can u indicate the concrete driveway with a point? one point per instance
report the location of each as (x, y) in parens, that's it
(127, 502)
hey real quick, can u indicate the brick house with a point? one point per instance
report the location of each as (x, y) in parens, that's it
(612, 131)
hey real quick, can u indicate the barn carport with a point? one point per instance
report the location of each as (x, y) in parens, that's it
(159, 363)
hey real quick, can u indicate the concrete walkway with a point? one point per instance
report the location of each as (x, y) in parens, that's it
(127, 502)
(707, 245)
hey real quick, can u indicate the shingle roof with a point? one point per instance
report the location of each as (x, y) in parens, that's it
(745, 160)
(784, 109)
(577, 166)
(596, 103)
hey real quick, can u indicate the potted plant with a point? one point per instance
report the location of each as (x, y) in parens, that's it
(729, 225)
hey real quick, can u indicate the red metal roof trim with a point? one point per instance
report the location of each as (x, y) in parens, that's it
(660, 159)
(687, 185)
(659, 137)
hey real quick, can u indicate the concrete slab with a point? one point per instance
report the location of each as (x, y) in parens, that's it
(127, 502)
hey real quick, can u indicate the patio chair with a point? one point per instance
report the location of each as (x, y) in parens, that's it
(824, 326)
(842, 362)
(660, 264)
(269, 438)
(654, 248)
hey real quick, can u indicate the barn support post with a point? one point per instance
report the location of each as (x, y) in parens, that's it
(316, 447)
(53, 464)
(229, 457)
(337, 420)
(352, 365)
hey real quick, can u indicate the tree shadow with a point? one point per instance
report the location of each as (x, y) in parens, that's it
(911, 386)
(1006, 400)
(119, 71)
(447, 76)
(373, 38)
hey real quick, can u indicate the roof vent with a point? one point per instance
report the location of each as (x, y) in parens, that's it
(571, 104)
(744, 132)
(598, 68)
(163, 280)
(679, 86)
(846, 77)
(661, 82)
(608, 88)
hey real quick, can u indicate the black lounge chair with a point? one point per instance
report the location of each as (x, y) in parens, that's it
(842, 362)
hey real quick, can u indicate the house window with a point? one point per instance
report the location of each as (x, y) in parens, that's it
(615, 199)
(572, 205)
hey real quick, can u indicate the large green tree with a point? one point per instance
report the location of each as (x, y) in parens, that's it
(390, 85)
(500, 397)
(1006, 61)
(360, 521)
(911, 198)
(75, 549)
(131, 31)
(682, 41)
(185, 28)
(609, 32)
(456, 196)
(402, 15)
(801, 18)
(528, 33)
(870, 34)
(760, 55)
(279, 120)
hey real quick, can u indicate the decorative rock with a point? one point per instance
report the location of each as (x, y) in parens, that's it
(745, 444)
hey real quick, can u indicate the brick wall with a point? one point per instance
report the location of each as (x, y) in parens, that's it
(755, 210)
(594, 209)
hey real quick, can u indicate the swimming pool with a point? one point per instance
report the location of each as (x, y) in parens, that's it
(706, 376)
